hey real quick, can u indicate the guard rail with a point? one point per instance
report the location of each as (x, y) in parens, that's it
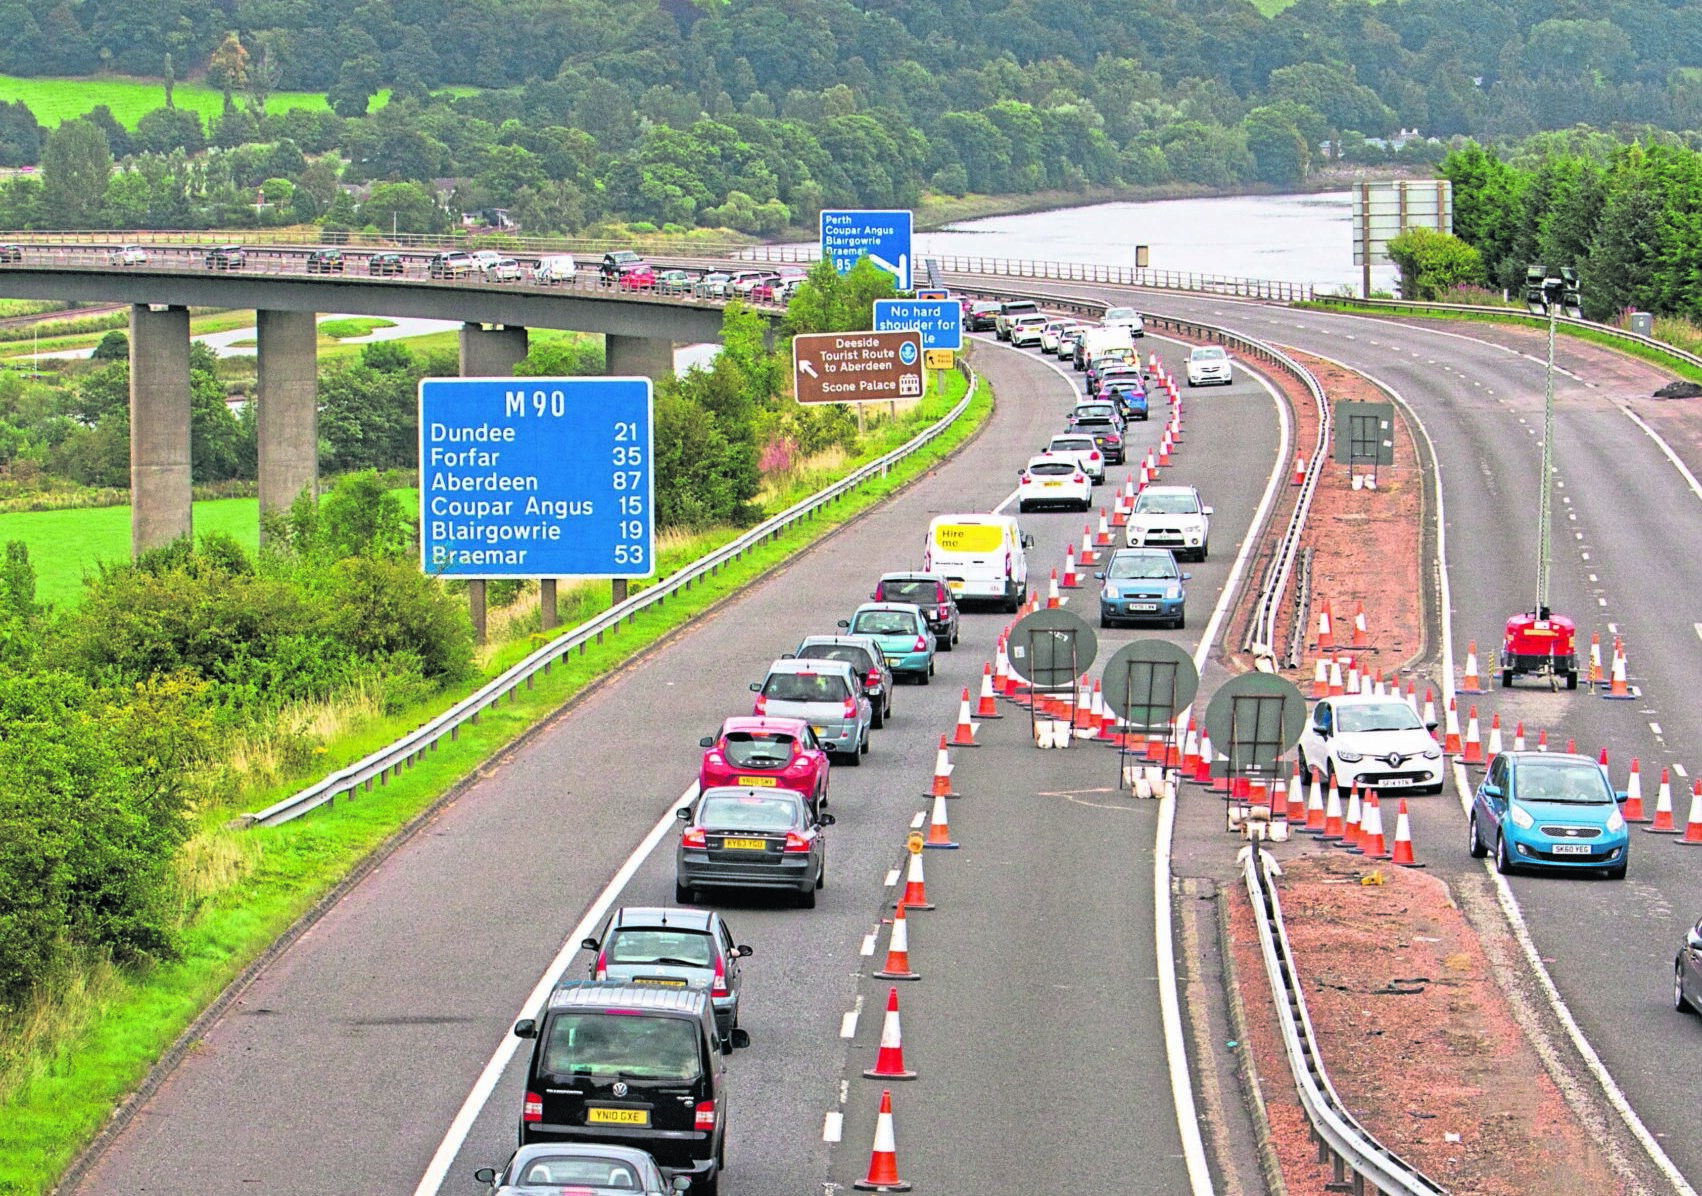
(1341, 1139)
(410, 748)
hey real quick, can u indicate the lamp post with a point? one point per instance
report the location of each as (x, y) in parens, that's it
(1548, 296)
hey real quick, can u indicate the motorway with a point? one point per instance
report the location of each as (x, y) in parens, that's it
(346, 1064)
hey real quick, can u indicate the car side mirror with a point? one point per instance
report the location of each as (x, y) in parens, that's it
(788, 656)
(1187, 576)
(682, 1182)
(1431, 727)
(756, 687)
(1205, 510)
(485, 1175)
(1100, 576)
(590, 944)
(843, 623)
(825, 820)
(741, 1038)
(683, 813)
(525, 1028)
(707, 741)
(1027, 540)
(1492, 792)
(1693, 939)
(744, 951)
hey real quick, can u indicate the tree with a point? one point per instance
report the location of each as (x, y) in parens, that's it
(75, 167)
(1279, 151)
(357, 82)
(406, 207)
(262, 80)
(228, 67)
(170, 81)
(1433, 263)
(114, 346)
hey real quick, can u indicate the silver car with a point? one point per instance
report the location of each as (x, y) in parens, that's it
(712, 286)
(860, 652)
(827, 694)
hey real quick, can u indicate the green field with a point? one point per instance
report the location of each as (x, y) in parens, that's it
(57, 100)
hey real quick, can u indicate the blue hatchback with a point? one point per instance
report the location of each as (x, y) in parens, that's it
(1549, 810)
(903, 634)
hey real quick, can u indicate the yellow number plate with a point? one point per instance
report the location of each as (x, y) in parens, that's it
(664, 981)
(618, 1116)
(762, 781)
(1051, 485)
(745, 844)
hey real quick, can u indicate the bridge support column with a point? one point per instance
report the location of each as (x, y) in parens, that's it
(646, 356)
(491, 352)
(287, 410)
(161, 494)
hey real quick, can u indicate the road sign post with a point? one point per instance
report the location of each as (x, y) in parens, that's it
(536, 477)
(849, 235)
(857, 367)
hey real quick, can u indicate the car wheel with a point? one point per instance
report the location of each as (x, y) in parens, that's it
(864, 750)
(1205, 550)
(1180, 622)
(807, 897)
(1474, 844)
(1506, 678)
(1104, 622)
(930, 666)
(1572, 680)
(1022, 508)
(853, 759)
(707, 1187)
(945, 644)
(877, 720)
(1617, 872)
(683, 894)
(821, 873)
(956, 633)
(1680, 1002)
(1503, 861)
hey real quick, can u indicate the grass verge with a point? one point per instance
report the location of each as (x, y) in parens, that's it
(69, 1093)
(55, 100)
(1598, 336)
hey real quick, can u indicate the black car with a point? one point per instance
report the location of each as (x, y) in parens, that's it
(1100, 421)
(751, 839)
(386, 265)
(226, 257)
(630, 1065)
(982, 317)
(451, 263)
(11, 253)
(617, 263)
(928, 591)
(325, 261)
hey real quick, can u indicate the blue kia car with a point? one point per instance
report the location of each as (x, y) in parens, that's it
(902, 631)
(1143, 585)
(1548, 810)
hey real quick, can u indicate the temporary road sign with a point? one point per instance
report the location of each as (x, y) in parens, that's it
(939, 359)
(940, 321)
(857, 367)
(848, 235)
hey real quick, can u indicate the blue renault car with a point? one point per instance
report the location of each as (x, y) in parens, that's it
(1548, 810)
(1143, 585)
(902, 631)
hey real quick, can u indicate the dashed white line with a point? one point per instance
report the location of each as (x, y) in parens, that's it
(892, 878)
(1679, 769)
(833, 1127)
(1613, 628)
(1698, 627)
(1655, 727)
(869, 942)
(916, 822)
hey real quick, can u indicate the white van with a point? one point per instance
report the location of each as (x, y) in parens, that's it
(1098, 341)
(981, 557)
(556, 270)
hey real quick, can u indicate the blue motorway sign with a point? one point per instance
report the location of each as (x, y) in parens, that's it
(536, 477)
(940, 321)
(882, 237)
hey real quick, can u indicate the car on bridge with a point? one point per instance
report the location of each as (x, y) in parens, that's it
(665, 947)
(555, 269)
(828, 695)
(1143, 585)
(325, 261)
(639, 277)
(765, 753)
(1171, 517)
(1053, 481)
(587, 1167)
(504, 269)
(11, 253)
(675, 282)
(226, 257)
(1210, 365)
(1548, 810)
(616, 263)
(128, 255)
(386, 265)
(712, 285)
(451, 263)
(981, 316)
(1124, 317)
(1373, 740)
(751, 839)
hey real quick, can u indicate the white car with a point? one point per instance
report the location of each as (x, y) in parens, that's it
(1377, 741)
(128, 255)
(1027, 330)
(484, 260)
(1125, 317)
(1209, 364)
(1054, 479)
(1171, 517)
(1084, 450)
(504, 269)
(1049, 336)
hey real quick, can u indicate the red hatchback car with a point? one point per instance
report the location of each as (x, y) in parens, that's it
(641, 277)
(766, 753)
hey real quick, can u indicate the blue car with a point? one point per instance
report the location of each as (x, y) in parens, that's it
(1549, 810)
(1130, 399)
(1143, 585)
(903, 634)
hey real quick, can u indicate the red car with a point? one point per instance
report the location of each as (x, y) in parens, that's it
(641, 277)
(765, 753)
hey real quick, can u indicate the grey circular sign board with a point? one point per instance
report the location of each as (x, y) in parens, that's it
(1051, 648)
(1254, 719)
(1148, 682)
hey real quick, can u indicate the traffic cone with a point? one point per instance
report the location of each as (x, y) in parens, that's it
(1618, 689)
(942, 773)
(1412, 698)
(1004, 681)
(915, 884)
(1202, 771)
(1452, 746)
(1371, 837)
(1326, 634)
(889, 1060)
(1107, 719)
(964, 735)
(1352, 675)
(1402, 853)
(1601, 757)
(1070, 580)
(1519, 736)
(1595, 658)
(1315, 806)
(1321, 680)
(1190, 750)
(987, 705)
(1296, 802)
(1430, 711)
(1355, 813)
(1571, 747)
(1102, 538)
(1663, 808)
(1299, 470)
(883, 1160)
(1052, 599)
(1471, 683)
(1164, 450)
(1473, 753)
(1337, 687)
(898, 952)
(1334, 829)
(1494, 748)
(939, 830)
(1361, 637)
(1693, 825)
(1542, 740)
(1631, 809)
(1087, 556)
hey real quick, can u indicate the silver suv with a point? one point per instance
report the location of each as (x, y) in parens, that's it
(827, 694)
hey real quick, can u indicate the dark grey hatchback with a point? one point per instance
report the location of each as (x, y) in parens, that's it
(930, 593)
(751, 839)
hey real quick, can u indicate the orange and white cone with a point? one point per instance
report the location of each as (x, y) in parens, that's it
(1472, 682)
(1326, 634)
(1412, 698)
(1299, 470)
(1102, 538)
(1618, 688)
(1519, 736)
(964, 734)
(1070, 580)
(1402, 852)
(1296, 802)
(1453, 746)
(939, 829)
(1430, 711)
(883, 1160)
(987, 705)
(1595, 658)
(1337, 686)
(898, 952)
(942, 772)
(1542, 740)
(1087, 557)
(1631, 809)
(1371, 837)
(1571, 747)
(1315, 806)
(1493, 748)
(1202, 771)
(1191, 750)
(1361, 637)
(1473, 753)
(1321, 679)
(915, 884)
(1693, 825)
(1334, 828)
(1052, 600)
(1663, 808)
(889, 1060)
(1352, 675)
(1351, 826)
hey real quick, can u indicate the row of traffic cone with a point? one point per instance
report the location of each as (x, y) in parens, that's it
(1614, 685)
(1359, 828)
(1326, 634)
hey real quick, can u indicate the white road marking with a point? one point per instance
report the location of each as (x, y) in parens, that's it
(1679, 769)
(1655, 727)
(447, 1150)
(1601, 601)
(1666, 450)
(1698, 627)
(1613, 628)
(1585, 555)
(1005, 502)
(916, 822)
(833, 1127)
(1593, 577)
(892, 878)
(869, 942)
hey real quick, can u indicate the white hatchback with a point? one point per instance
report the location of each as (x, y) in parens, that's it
(1374, 740)
(1056, 480)
(1084, 450)
(1209, 365)
(128, 255)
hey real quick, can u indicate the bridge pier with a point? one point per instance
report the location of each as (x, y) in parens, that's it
(287, 406)
(491, 352)
(161, 485)
(644, 356)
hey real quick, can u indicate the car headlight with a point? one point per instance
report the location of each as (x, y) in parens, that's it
(1615, 823)
(1350, 757)
(1520, 819)
(1432, 753)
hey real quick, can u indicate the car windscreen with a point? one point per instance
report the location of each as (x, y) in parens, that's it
(1209, 354)
(922, 593)
(1053, 468)
(1377, 716)
(1166, 504)
(644, 945)
(1095, 411)
(1150, 567)
(884, 622)
(1119, 313)
(1071, 444)
(1572, 784)
(747, 812)
(805, 687)
(750, 749)
(854, 655)
(631, 1047)
(584, 1171)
